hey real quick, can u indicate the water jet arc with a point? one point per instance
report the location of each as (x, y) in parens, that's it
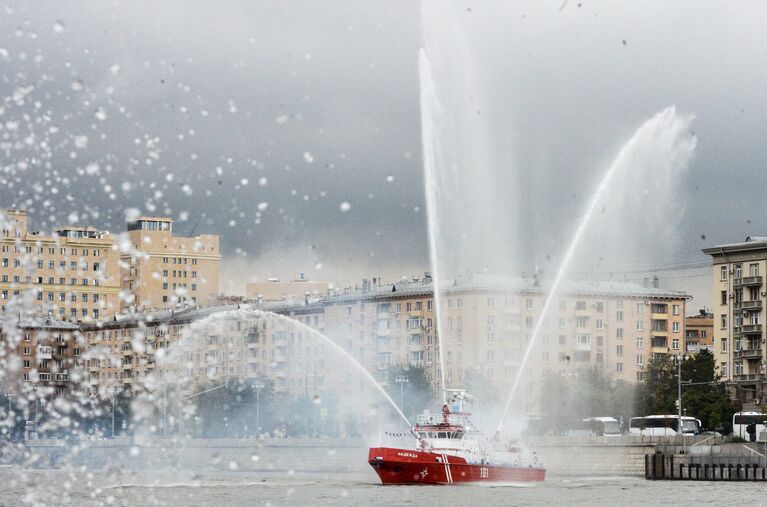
(668, 119)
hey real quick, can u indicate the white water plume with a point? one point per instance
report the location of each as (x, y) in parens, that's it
(663, 145)
(174, 357)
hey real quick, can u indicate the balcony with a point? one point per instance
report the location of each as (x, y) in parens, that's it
(751, 305)
(416, 314)
(583, 346)
(415, 330)
(62, 377)
(750, 377)
(44, 353)
(755, 353)
(383, 316)
(748, 281)
(752, 329)
(383, 332)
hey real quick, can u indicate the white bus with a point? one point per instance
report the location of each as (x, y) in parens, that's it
(741, 420)
(663, 425)
(597, 426)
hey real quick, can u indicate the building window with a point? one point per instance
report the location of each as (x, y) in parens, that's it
(640, 342)
(640, 325)
(619, 333)
(528, 303)
(619, 350)
(675, 344)
(723, 369)
(724, 344)
(580, 305)
(675, 309)
(675, 327)
(724, 321)
(619, 316)
(640, 360)
(619, 367)
(723, 273)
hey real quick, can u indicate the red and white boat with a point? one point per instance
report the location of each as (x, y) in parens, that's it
(450, 450)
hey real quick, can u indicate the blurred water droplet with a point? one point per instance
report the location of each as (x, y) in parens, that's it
(77, 85)
(390, 178)
(59, 26)
(345, 206)
(308, 157)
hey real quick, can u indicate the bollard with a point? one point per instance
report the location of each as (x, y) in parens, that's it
(705, 471)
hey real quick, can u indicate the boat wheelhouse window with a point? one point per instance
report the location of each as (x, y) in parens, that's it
(442, 434)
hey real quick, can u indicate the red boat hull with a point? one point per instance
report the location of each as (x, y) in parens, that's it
(402, 466)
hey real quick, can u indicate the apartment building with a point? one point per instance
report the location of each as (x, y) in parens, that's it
(699, 331)
(49, 353)
(488, 322)
(72, 274)
(487, 325)
(167, 271)
(203, 345)
(739, 297)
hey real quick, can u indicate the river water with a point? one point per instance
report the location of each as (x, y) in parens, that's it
(114, 487)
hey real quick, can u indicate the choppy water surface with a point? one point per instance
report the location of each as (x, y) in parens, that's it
(54, 487)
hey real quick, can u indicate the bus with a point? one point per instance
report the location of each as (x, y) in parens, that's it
(741, 420)
(596, 426)
(663, 425)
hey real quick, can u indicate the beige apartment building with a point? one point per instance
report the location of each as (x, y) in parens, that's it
(204, 345)
(488, 322)
(167, 271)
(739, 298)
(49, 353)
(699, 331)
(72, 274)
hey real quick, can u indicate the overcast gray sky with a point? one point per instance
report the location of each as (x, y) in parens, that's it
(257, 120)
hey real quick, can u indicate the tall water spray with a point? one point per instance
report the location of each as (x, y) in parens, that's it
(664, 140)
(429, 106)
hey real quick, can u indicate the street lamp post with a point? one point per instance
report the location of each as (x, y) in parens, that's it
(258, 386)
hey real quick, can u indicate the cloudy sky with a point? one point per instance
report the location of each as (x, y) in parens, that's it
(292, 128)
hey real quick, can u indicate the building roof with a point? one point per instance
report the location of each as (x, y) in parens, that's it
(40, 322)
(486, 281)
(751, 243)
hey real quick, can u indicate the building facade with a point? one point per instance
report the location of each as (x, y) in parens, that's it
(167, 271)
(699, 331)
(487, 325)
(73, 273)
(49, 355)
(739, 334)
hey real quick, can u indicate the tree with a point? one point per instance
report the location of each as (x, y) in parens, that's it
(706, 399)
(591, 392)
(230, 411)
(417, 393)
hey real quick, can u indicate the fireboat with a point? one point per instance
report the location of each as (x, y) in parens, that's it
(450, 450)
